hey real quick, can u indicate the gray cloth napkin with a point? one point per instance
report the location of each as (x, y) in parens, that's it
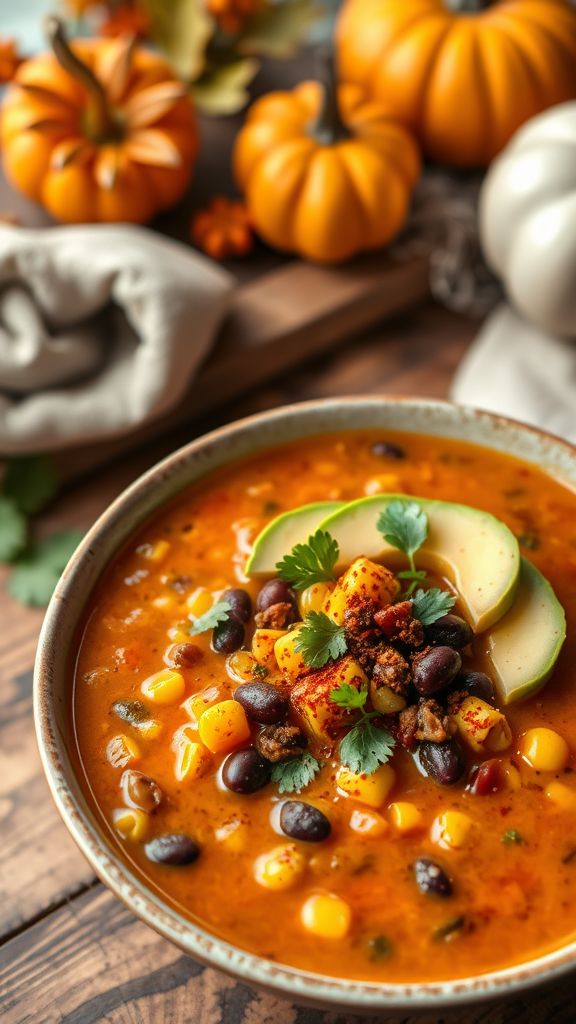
(515, 369)
(102, 328)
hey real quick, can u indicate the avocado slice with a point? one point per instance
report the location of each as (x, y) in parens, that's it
(523, 647)
(282, 533)
(473, 549)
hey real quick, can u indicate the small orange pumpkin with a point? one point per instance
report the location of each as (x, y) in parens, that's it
(325, 173)
(462, 74)
(99, 130)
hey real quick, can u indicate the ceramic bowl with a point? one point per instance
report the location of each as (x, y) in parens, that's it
(53, 678)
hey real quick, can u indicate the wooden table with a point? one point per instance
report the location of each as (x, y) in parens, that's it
(69, 951)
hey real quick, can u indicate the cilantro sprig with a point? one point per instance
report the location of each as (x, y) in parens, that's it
(320, 640)
(430, 605)
(294, 775)
(218, 613)
(312, 562)
(38, 568)
(404, 525)
(366, 746)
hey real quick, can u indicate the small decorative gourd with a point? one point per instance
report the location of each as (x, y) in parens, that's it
(325, 173)
(462, 74)
(98, 130)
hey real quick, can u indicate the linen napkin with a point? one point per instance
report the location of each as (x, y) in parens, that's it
(516, 369)
(102, 328)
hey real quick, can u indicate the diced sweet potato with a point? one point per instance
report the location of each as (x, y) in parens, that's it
(263, 643)
(289, 660)
(319, 716)
(363, 581)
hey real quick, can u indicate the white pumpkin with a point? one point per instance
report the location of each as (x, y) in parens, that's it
(528, 219)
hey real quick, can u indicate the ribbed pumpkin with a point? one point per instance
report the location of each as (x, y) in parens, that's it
(98, 130)
(462, 74)
(325, 174)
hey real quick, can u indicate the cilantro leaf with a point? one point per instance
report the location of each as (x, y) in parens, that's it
(312, 562)
(31, 482)
(512, 837)
(404, 524)
(37, 571)
(365, 748)
(13, 530)
(218, 613)
(429, 605)
(320, 639)
(347, 696)
(294, 775)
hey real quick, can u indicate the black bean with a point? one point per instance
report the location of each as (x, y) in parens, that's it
(176, 850)
(275, 592)
(246, 771)
(443, 762)
(185, 655)
(487, 778)
(262, 702)
(303, 821)
(435, 670)
(240, 603)
(387, 450)
(132, 711)
(478, 684)
(449, 631)
(431, 879)
(140, 791)
(228, 636)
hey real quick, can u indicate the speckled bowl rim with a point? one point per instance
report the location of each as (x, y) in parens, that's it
(51, 682)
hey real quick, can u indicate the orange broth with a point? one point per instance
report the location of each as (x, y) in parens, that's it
(518, 900)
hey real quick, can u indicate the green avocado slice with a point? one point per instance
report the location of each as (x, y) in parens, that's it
(477, 552)
(523, 647)
(283, 532)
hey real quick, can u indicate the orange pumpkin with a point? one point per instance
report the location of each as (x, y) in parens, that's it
(98, 131)
(325, 173)
(463, 74)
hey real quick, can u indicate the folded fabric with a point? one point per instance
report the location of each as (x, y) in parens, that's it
(102, 328)
(515, 369)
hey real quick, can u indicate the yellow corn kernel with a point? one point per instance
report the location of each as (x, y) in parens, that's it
(326, 916)
(198, 703)
(481, 726)
(406, 817)
(240, 667)
(234, 834)
(166, 602)
(314, 598)
(150, 729)
(122, 750)
(452, 830)
(200, 601)
(511, 775)
(179, 634)
(131, 823)
(365, 580)
(155, 552)
(561, 796)
(372, 790)
(321, 718)
(383, 483)
(164, 687)
(288, 659)
(368, 823)
(263, 646)
(544, 750)
(384, 699)
(224, 727)
(280, 868)
(192, 759)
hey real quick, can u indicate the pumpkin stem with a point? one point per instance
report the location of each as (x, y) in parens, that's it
(328, 127)
(101, 122)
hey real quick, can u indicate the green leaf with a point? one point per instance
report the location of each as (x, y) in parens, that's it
(278, 29)
(13, 530)
(31, 482)
(294, 775)
(365, 748)
(347, 696)
(39, 568)
(513, 838)
(182, 30)
(223, 90)
(404, 525)
(312, 562)
(218, 613)
(429, 605)
(320, 640)
(57, 549)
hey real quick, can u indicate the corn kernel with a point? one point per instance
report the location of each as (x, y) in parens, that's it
(326, 916)
(224, 727)
(150, 729)
(179, 634)
(280, 868)
(240, 666)
(164, 687)
(155, 552)
(198, 703)
(563, 797)
(383, 483)
(263, 643)
(372, 790)
(406, 817)
(122, 750)
(364, 580)
(131, 823)
(200, 601)
(384, 699)
(166, 602)
(288, 659)
(513, 779)
(544, 750)
(192, 759)
(368, 823)
(234, 834)
(451, 830)
(314, 598)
